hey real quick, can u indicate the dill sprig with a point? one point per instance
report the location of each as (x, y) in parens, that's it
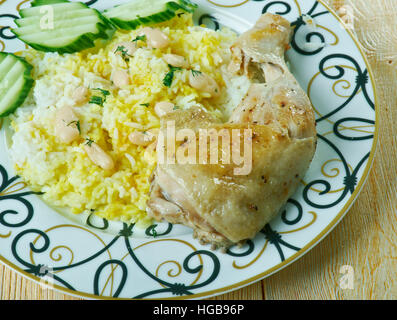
(76, 123)
(196, 73)
(100, 100)
(89, 142)
(140, 38)
(169, 77)
(124, 53)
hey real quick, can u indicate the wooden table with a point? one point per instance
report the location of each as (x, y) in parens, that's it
(366, 239)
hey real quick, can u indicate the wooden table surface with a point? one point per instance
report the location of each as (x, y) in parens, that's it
(366, 239)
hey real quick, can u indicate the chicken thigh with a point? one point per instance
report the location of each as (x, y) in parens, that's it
(222, 207)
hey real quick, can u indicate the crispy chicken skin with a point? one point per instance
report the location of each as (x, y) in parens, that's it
(224, 208)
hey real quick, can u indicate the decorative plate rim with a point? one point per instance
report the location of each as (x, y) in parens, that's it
(258, 277)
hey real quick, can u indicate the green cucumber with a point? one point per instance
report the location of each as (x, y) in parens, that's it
(75, 26)
(135, 13)
(60, 25)
(34, 20)
(15, 82)
(37, 3)
(58, 7)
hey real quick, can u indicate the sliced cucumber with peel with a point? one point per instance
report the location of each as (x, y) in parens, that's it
(135, 13)
(15, 82)
(60, 6)
(75, 26)
(69, 15)
(37, 3)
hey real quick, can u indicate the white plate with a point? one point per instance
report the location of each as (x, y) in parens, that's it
(94, 258)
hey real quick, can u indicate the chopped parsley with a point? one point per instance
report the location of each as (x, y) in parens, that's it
(145, 105)
(170, 76)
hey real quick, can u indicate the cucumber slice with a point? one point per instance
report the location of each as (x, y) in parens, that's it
(58, 16)
(36, 3)
(58, 7)
(75, 23)
(76, 26)
(133, 14)
(15, 82)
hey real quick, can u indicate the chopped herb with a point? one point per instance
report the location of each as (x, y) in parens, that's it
(174, 68)
(77, 124)
(140, 38)
(120, 49)
(168, 79)
(145, 105)
(170, 76)
(99, 100)
(124, 53)
(89, 142)
(196, 73)
(176, 108)
(104, 92)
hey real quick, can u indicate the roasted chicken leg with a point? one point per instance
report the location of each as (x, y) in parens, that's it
(224, 208)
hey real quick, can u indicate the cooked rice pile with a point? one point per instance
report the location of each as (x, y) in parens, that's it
(64, 172)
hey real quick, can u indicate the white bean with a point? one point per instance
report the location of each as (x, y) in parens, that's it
(155, 38)
(176, 61)
(150, 150)
(80, 95)
(98, 156)
(120, 78)
(164, 107)
(204, 83)
(66, 125)
(155, 131)
(141, 138)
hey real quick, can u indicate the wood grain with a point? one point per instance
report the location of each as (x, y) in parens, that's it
(366, 239)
